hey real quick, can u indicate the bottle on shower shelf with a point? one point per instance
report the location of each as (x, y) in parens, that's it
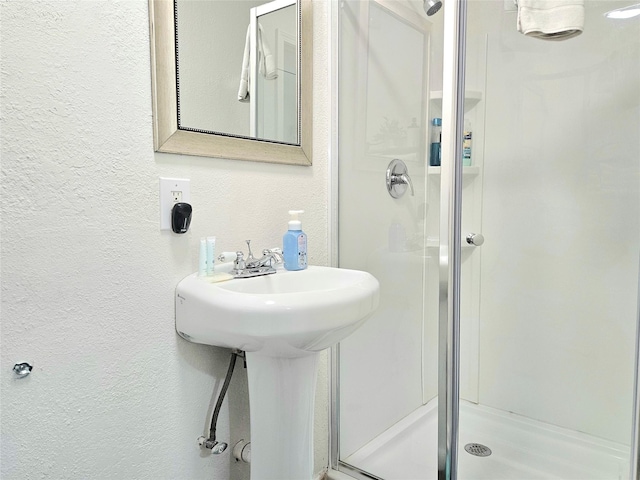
(466, 144)
(436, 141)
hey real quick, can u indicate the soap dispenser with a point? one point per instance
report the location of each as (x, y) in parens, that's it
(294, 244)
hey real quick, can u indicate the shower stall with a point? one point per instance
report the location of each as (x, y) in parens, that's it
(505, 344)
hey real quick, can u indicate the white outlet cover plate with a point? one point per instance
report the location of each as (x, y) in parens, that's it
(167, 187)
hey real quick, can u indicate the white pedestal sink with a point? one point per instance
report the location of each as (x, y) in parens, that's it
(281, 321)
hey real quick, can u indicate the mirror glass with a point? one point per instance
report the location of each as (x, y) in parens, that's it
(222, 46)
(201, 63)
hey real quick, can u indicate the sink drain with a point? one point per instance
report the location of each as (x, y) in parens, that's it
(477, 449)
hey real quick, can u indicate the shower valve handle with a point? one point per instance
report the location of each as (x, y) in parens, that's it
(403, 179)
(398, 179)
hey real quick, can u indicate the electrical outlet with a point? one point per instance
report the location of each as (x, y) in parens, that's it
(172, 191)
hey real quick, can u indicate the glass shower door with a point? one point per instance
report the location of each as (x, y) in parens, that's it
(550, 242)
(383, 116)
(549, 300)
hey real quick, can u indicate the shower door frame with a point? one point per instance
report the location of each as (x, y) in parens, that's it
(450, 250)
(450, 237)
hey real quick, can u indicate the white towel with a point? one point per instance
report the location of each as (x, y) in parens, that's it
(266, 63)
(243, 91)
(265, 58)
(551, 19)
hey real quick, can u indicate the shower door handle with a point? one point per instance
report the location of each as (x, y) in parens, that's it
(398, 178)
(475, 239)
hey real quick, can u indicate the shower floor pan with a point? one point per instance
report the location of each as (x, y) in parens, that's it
(521, 449)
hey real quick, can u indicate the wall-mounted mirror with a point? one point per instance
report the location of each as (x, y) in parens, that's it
(232, 79)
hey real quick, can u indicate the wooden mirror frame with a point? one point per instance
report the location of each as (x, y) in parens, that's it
(167, 137)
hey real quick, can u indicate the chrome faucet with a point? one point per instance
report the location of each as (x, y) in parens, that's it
(253, 267)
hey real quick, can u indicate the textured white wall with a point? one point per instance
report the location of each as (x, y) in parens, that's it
(88, 277)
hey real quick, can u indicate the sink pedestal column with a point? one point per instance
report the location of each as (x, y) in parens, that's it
(281, 400)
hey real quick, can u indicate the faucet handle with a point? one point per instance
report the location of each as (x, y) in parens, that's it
(239, 264)
(227, 256)
(275, 253)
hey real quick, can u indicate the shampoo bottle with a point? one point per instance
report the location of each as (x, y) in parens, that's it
(294, 244)
(436, 140)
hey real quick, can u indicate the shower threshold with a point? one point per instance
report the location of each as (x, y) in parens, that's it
(521, 449)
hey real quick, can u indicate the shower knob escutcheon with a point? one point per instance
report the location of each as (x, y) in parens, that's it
(398, 179)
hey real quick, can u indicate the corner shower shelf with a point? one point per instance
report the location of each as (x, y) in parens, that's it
(471, 171)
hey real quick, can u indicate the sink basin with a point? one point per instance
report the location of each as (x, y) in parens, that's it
(284, 314)
(281, 321)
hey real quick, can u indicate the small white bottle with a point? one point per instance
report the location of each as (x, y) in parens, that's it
(294, 244)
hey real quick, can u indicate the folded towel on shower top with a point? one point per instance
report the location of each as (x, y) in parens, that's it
(266, 63)
(551, 19)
